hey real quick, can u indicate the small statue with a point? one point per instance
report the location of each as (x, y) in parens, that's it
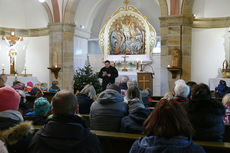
(175, 58)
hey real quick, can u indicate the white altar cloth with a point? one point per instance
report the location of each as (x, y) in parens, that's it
(131, 75)
(213, 82)
(11, 79)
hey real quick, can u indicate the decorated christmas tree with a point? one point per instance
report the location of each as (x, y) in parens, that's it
(85, 76)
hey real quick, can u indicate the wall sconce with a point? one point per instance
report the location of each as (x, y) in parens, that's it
(55, 70)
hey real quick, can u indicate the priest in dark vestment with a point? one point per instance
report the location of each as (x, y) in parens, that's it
(108, 74)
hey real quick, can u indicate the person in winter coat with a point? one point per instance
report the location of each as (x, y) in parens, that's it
(108, 110)
(15, 133)
(133, 97)
(221, 89)
(169, 131)
(54, 87)
(65, 132)
(40, 113)
(133, 123)
(85, 99)
(206, 114)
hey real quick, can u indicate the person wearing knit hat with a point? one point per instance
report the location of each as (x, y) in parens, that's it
(42, 108)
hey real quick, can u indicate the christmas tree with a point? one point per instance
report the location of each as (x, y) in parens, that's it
(85, 76)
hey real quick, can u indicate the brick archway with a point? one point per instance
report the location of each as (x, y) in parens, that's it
(70, 11)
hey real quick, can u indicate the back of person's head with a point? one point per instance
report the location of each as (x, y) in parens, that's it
(37, 85)
(115, 87)
(89, 91)
(4, 77)
(191, 84)
(132, 93)
(44, 84)
(55, 83)
(226, 99)
(124, 79)
(16, 82)
(9, 99)
(201, 92)
(222, 82)
(64, 103)
(168, 120)
(131, 83)
(41, 106)
(181, 89)
(30, 84)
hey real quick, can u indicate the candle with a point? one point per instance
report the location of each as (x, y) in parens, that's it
(25, 66)
(3, 66)
(56, 66)
(168, 65)
(137, 65)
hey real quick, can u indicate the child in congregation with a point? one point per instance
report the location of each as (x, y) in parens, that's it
(29, 86)
(168, 130)
(36, 90)
(44, 87)
(41, 111)
(54, 87)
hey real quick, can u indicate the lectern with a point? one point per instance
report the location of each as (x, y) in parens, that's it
(145, 80)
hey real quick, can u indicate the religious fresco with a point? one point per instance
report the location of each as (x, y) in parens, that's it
(127, 32)
(127, 37)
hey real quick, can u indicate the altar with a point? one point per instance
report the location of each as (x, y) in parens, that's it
(213, 82)
(131, 75)
(11, 79)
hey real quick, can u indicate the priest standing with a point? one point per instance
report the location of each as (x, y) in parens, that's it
(108, 74)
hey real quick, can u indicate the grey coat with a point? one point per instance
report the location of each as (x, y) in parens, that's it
(107, 111)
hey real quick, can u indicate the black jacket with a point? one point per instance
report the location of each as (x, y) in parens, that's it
(64, 134)
(133, 123)
(111, 70)
(84, 103)
(206, 118)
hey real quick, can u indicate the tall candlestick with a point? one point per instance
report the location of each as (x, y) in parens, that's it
(137, 65)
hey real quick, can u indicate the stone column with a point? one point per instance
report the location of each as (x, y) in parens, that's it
(176, 32)
(62, 42)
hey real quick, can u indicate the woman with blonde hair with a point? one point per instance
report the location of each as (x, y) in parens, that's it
(85, 99)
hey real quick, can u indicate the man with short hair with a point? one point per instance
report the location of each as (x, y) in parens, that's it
(108, 75)
(65, 132)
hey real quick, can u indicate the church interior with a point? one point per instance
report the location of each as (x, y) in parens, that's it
(158, 44)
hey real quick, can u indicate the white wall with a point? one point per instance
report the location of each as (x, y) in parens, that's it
(208, 53)
(211, 8)
(37, 58)
(22, 14)
(80, 52)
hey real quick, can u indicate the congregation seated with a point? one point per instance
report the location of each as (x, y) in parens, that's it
(65, 132)
(108, 110)
(226, 103)
(3, 147)
(85, 99)
(181, 91)
(54, 87)
(123, 84)
(206, 114)
(169, 131)
(40, 113)
(15, 133)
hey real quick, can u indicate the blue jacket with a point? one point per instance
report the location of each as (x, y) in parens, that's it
(133, 123)
(153, 144)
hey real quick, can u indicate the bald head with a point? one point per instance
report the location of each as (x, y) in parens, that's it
(64, 103)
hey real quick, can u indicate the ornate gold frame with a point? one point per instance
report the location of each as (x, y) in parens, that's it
(150, 35)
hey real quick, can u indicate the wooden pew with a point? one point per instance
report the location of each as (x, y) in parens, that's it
(114, 142)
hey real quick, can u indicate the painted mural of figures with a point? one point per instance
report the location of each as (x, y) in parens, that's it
(136, 39)
(117, 40)
(125, 26)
